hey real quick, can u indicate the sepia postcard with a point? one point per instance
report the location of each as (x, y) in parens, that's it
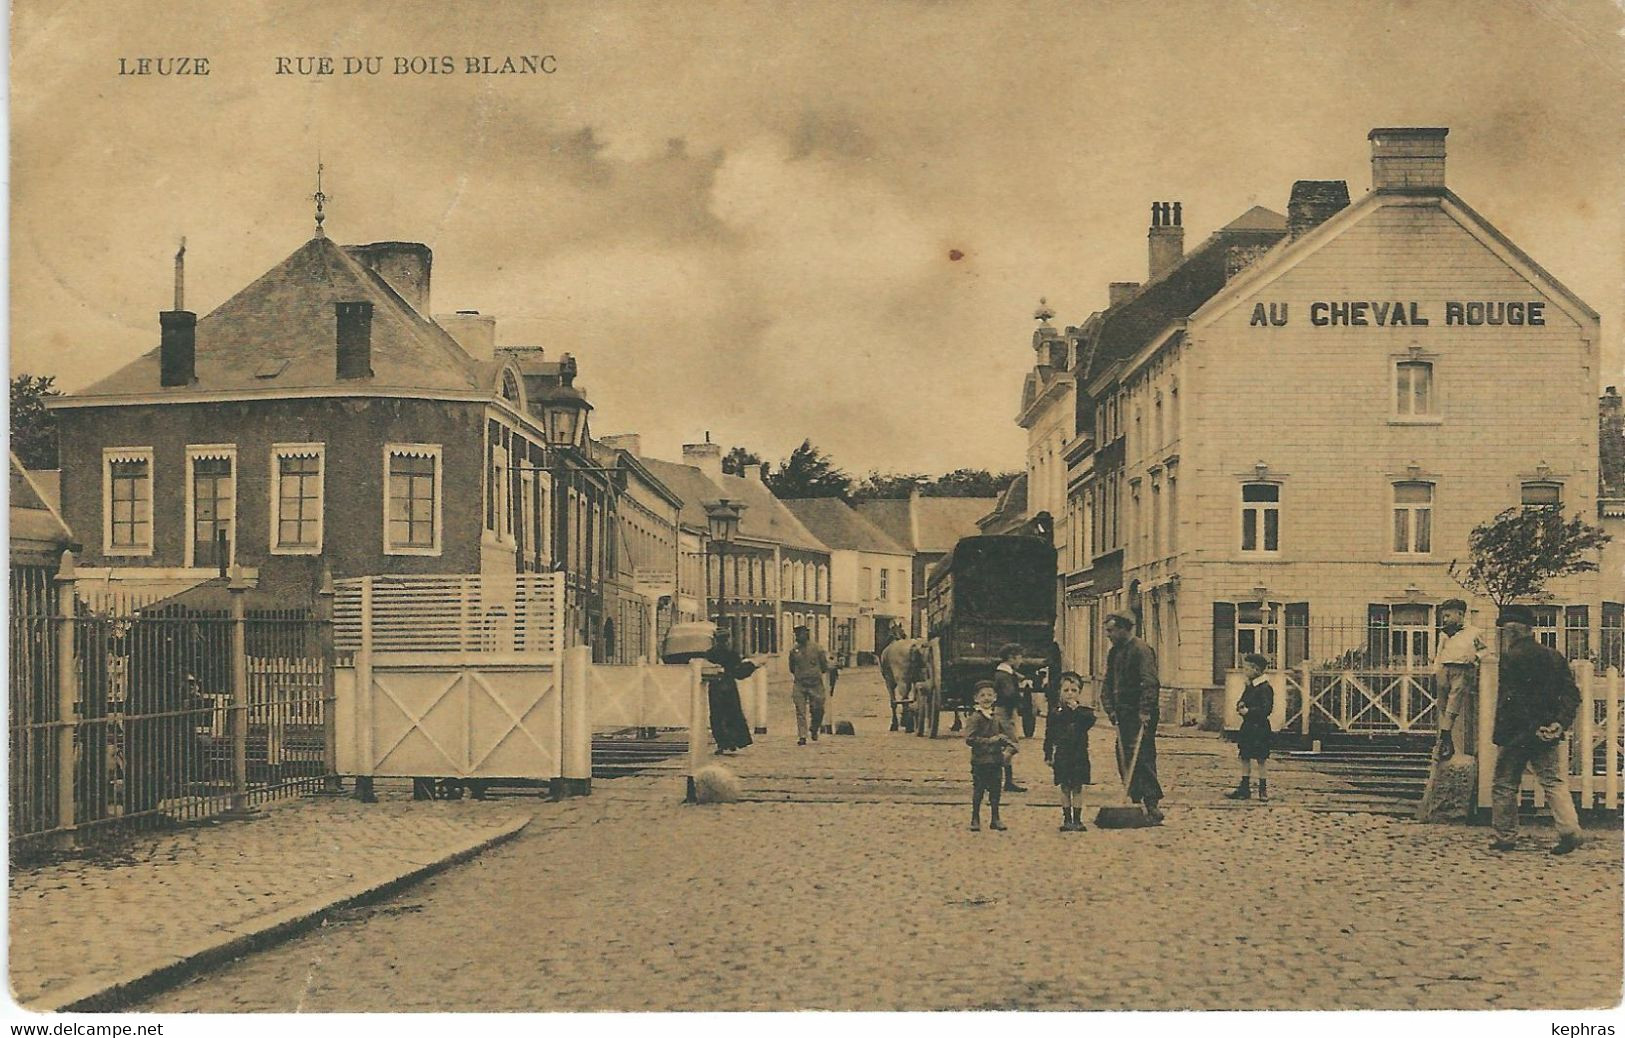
(764, 507)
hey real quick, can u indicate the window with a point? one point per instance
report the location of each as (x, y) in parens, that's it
(127, 501)
(1576, 632)
(296, 498)
(1542, 494)
(212, 505)
(1612, 650)
(1546, 626)
(412, 499)
(1258, 629)
(1413, 389)
(885, 585)
(1261, 517)
(1413, 518)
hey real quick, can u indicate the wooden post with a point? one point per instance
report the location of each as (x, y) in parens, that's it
(1584, 676)
(330, 732)
(237, 587)
(575, 755)
(1308, 697)
(67, 700)
(1612, 688)
(698, 729)
(363, 700)
(760, 677)
(1489, 690)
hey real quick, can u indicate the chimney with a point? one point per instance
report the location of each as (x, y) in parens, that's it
(403, 265)
(1120, 291)
(475, 332)
(707, 457)
(177, 350)
(1407, 158)
(354, 339)
(1166, 239)
(177, 333)
(757, 472)
(1313, 202)
(631, 443)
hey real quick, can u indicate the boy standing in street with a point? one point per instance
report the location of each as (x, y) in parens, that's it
(991, 741)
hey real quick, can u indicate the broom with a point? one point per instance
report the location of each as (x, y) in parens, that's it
(1130, 815)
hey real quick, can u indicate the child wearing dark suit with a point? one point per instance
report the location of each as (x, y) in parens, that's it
(992, 742)
(1066, 747)
(1256, 704)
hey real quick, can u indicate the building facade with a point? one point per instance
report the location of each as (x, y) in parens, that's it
(870, 581)
(928, 528)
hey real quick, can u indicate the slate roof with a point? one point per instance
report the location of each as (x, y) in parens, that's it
(280, 333)
(765, 517)
(838, 525)
(689, 484)
(1129, 326)
(927, 524)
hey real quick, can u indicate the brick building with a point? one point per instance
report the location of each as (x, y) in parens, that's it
(1306, 448)
(320, 419)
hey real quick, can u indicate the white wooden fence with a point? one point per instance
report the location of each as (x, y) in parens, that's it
(1594, 749)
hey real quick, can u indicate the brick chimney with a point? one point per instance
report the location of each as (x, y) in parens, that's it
(177, 349)
(1120, 291)
(707, 457)
(1313, 202)
(354, 339)
(1407, 158)
(631, 443)
(1166, 239)
(475, 332)
(404, 266)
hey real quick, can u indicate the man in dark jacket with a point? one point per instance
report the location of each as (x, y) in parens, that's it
(1535, 706)
(1129, 694)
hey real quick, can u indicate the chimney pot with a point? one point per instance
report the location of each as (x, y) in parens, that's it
(1313, 202)
(1407, 158)
(1165, 240)
(707, 457)
(177, 348)
(475, 332)
(354, 339)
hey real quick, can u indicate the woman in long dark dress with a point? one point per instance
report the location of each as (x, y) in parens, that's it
(729, 728)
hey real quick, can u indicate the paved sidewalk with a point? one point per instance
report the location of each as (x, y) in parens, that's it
(88, 934)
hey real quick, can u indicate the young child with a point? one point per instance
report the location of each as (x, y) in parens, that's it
(992, 742)
(1066, 747)
(1256, 704)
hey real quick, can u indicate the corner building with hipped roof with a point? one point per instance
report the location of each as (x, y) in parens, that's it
(1296, 463)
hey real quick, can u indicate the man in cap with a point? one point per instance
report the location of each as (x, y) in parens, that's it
(1130, 694)
(808, 666)
(1461, 649)
(1537, 703)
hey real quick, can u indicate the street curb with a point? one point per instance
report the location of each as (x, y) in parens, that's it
(108, 997)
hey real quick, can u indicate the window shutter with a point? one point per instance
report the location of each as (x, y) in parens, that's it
(1297, 633)
(1224, 639)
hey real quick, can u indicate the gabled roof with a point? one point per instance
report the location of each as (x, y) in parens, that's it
(1127, 327)
(1010, 510)
(766, 518)
(689, 484)
(839, 526)
(279, 333)
(926, 524)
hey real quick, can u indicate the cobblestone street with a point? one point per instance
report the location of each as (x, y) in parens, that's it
(848, 881)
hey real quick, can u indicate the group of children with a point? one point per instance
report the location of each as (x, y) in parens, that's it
(992, 741)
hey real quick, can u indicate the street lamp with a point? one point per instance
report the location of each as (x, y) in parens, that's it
(722, 522)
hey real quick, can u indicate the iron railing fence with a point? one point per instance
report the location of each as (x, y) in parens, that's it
(158, 732)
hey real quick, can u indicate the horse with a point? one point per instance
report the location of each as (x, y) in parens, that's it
(903, 665)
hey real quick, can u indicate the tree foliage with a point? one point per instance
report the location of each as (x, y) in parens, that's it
(1516, 553)
(738, 460)
(33, 428)
(958, 483)
(808, 472)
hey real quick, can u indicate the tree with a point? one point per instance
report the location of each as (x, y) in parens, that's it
(33, 428)
(1517, 552)
(971, 483)
(738, 460)
(808, 472)
(881, 485)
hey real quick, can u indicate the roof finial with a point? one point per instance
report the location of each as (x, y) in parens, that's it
(1044, 312)
(320, 198)
(180, 276)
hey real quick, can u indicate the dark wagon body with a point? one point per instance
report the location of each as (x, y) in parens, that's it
(989, 592)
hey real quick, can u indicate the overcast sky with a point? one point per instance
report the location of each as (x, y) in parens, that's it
(740, 217)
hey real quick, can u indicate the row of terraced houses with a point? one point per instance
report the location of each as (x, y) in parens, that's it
(1280, 439)
(323, 423)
